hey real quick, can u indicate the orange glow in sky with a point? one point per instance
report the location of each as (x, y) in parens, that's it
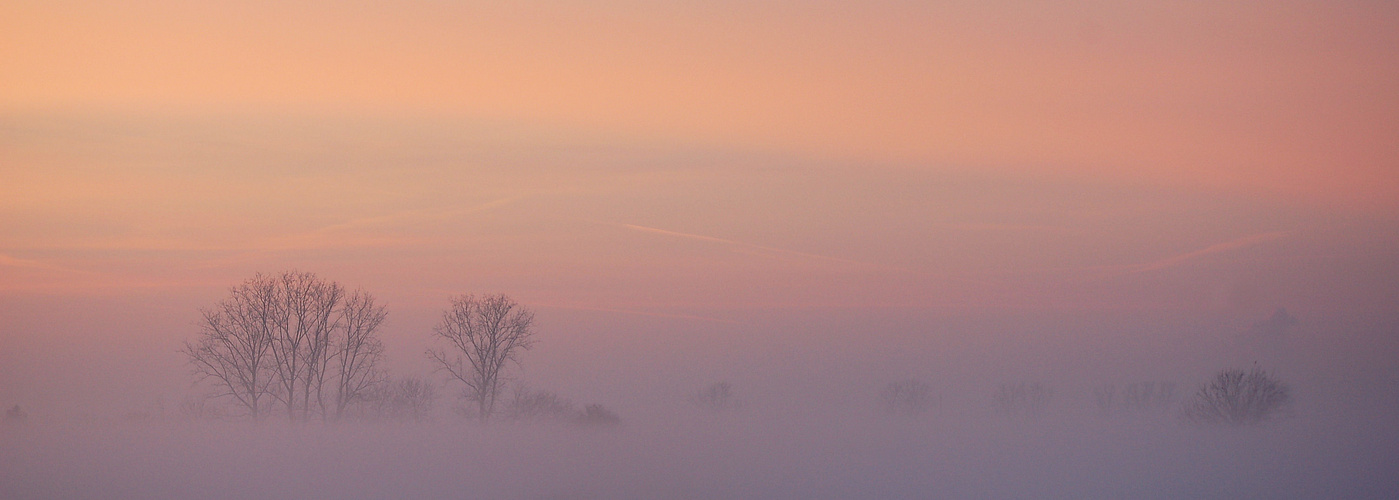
(659, 156)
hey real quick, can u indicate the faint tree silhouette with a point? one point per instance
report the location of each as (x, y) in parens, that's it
(1238, 397)
(597, 415)
(483, 334)
(1135, 397)
(1022, 399)
(718, 396)
(907, 397)
(407, 398)
(15, 415)
(528, 405)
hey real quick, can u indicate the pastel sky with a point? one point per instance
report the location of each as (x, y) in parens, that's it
(688, 159)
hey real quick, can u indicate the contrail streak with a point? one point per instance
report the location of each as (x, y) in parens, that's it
(1246, 241)
(780, 251)
(643, 313)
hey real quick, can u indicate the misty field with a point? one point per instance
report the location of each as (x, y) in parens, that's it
(797, 421)
(763, 452)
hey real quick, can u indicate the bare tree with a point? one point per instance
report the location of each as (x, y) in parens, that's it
(304, 317)
(1238, 397)
(235, 344)
(484, 334)
(908, 397)
(357, 350)
(276, 339)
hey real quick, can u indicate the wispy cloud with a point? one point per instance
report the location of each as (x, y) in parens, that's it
(763, 250)
(1246, 241)
(10, 261)
(642, 313)
(352, 232)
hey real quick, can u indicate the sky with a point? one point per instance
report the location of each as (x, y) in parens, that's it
(807, 199)
(696, 163)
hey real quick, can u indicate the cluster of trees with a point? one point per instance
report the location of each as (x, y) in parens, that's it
(1233, 397)
(298, 345)
(1135, 397)
(290, 343)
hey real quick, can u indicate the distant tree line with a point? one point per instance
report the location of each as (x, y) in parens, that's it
(296, 345)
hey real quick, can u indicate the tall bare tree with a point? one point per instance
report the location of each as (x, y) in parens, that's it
(304, 318)
(235, 343)
(357, 350)
(277, 339)
(483, 334)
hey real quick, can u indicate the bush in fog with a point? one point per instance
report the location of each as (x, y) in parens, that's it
(1238, 397)
(15, 415)
(201, 408)
(483, 334)
(1021, 399)
(907, 397)
(597, 415)
(407, 398)
(1136, 397)
(716, 397)
(527, 405)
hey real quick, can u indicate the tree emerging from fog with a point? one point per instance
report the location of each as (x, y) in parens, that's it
(291, 341)
(1238, 397)
(483, 334)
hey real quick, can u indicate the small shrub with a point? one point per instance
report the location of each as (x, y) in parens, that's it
(1238, 397)
(1022, 399)
(15, 415)
(408, 398)
(716, 397)
(526, 405)
(595, 415)
(907, 397)
(201, 407)
(1135, 397)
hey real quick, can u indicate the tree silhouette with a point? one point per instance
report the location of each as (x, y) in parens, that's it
(1238, 397)
(279, 339)
(483, 334)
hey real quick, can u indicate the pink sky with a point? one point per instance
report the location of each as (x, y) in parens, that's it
(659, 174)
(670, 157)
